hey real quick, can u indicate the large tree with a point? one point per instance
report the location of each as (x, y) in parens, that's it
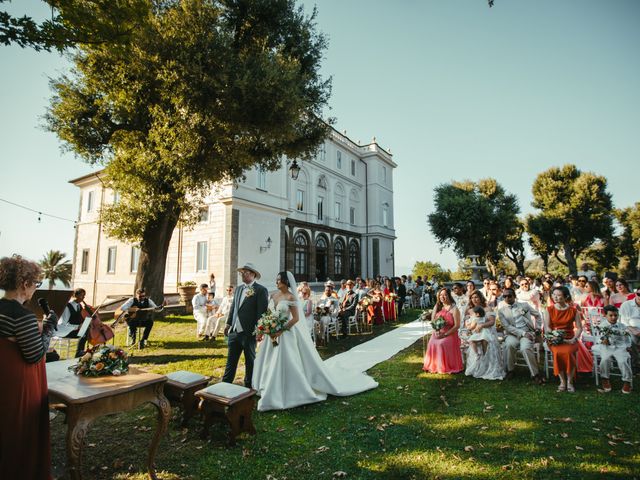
(628, 245)
(513, 247)
(575, 211)
(428, 270)
(202, 91)
(474, 218)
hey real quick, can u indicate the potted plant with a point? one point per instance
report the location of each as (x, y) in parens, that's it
(186, 290)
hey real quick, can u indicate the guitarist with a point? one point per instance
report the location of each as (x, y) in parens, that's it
(140, 316)
(73, 316)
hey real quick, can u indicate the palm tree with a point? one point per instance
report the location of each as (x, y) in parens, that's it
(56, 268)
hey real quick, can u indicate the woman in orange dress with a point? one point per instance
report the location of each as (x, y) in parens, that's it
(389, 306)
(564, 316)
(374, 310)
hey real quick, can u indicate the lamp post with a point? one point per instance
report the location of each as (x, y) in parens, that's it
(294, 169)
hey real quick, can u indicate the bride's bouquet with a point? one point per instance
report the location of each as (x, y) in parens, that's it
(271, 323)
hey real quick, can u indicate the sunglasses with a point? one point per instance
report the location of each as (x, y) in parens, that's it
(508, 295)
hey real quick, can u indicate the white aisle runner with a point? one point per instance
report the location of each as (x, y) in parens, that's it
(364, 356)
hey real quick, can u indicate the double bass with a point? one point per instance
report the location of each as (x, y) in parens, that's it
(98, 332)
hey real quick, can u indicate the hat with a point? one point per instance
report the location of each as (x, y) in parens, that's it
(251, 268)
(329, 283)
(349, 282)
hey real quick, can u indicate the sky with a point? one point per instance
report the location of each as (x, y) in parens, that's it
(455, 89)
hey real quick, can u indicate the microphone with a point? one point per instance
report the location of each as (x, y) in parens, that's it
(44, 305)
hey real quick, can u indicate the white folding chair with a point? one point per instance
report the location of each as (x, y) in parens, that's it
(353, 322)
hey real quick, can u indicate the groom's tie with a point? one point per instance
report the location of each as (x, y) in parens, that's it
(237, 326)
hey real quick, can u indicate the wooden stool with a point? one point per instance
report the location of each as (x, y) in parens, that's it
(229, 403)
(181, 387)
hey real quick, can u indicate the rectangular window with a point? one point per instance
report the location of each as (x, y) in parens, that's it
(320, 209)
(202, 254)
(338, 211)
(322, 152)
(353, 168)
(135, 259)
(116, 197)
(385, 217)
(90, 201)
(352, 215)
(384, 174)
(204, 215)
(111, 260)
(84, 263)
(300, 200)
(339, 160)
(262, 179)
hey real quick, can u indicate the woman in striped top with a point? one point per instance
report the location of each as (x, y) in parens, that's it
(24, 410)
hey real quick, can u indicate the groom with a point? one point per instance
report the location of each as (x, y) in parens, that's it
(249, 303)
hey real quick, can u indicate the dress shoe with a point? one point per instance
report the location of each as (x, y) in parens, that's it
(626, 387)
(143, 343)
(606, 385)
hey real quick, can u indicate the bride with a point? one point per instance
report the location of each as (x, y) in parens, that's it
(292, 373)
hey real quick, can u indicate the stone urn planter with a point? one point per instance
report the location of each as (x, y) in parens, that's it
(187, 290)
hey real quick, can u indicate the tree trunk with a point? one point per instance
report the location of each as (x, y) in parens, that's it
(545, 262)
(153, 255)
(571, 259)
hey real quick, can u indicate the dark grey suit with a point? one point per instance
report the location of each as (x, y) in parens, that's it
(249, 311)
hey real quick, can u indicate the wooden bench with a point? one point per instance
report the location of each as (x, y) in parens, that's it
(228, 403)
(180, 389)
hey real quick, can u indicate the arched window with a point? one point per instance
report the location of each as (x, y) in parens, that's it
(321, 258)
(338, 258)
(354, 259)
(301, 256)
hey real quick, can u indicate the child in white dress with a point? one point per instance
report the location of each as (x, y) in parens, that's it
(481, 335)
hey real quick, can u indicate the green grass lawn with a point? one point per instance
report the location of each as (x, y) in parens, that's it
(413, 425)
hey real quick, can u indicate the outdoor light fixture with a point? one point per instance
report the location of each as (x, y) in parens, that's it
(267, 245)
(295, 170)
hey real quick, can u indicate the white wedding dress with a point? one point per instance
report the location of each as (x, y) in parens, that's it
(293, 374)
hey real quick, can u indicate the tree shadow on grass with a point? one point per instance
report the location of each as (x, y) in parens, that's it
(172, 358)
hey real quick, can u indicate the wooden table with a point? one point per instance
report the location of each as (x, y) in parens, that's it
(84, 399)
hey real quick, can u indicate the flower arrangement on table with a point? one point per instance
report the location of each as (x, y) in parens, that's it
(102, 360)
(555, 337)
(271, 323)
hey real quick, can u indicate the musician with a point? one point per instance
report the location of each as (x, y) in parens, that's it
(143, 316)
(73, 316)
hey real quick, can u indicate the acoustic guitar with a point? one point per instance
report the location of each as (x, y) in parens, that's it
(126, 315)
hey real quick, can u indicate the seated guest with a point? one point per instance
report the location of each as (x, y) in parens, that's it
(342, 290)
(143, 316)
(615, 343)
(528, 295)
(459, 298)
(495, 299)
(199, 303)
(564, 317)
(443, 351)
(329, 298)
(73, 317)
(361, 288)
(520, 331)
(579, 290)
(401, 291)
(307, 307)
(630, 317)
(622, 293)
(218, 315)
(485, 358)
(347, 307)
(374, 310)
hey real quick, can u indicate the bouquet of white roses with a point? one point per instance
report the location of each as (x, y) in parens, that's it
(438, 324)
(555, 337)
(102, 360)
(271, 323)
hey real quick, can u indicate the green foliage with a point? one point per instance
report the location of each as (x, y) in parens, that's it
(56, 268)
(513, 247)
(474, 218)
(72, 23)
(428, 270)
(198, 93)
(575, 211)
(628, 244)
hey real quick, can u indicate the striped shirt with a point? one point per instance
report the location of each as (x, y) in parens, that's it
(16, 321)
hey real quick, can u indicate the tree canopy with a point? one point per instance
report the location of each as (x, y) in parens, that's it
(198, 93)
(427, 270)
(56, 268)
(474, 218)
(575, 211)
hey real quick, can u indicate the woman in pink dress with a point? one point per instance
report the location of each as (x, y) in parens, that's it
(622, 293)
(443, 352)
